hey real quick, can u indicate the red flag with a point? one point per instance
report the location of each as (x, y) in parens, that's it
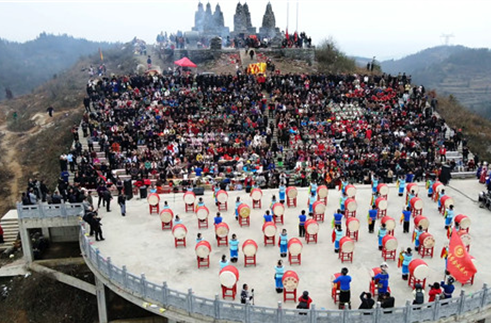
(286, 34)
(459, 263)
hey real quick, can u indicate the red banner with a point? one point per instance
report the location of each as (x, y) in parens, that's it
(459, 263)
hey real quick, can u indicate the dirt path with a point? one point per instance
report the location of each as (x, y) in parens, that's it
(9, 144)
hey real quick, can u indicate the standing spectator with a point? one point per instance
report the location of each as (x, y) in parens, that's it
(97, 228)
(50, 111)
(418, 294)
(1, 234)
(245, 297)
(304, 302)
(448, 288)
(107, 199)
(387, 301)
(344, 281)
(32, 197)
(367, 301)
(122, 203)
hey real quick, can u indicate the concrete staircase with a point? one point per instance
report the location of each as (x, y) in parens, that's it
(10, 225)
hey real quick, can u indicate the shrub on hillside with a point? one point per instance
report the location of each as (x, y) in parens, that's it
(332, 60)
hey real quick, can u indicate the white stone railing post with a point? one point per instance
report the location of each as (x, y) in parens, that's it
(143, 285)
(165, 294)
(216, 302)
(279, 312)
(109, 269)
(189, 301)
(461, 302)
(484, 294)
(436, 308)
(407, 312)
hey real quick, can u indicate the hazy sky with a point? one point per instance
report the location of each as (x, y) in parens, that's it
(384, 28)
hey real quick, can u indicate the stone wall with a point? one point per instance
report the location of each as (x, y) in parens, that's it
(200, 56)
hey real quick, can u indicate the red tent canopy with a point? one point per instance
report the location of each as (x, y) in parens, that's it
(185, 62)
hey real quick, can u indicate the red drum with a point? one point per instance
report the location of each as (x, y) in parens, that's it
(179, 231)
(464, 221)
(350, 205)
(383, 189)
(202, 212)
(426, 239)
(319, 207)
(346, 244)
(166, 215)
(390, 223)
(222, 196)
(244, 210)
(375, 271)
(322, 191)
(419, 269)
(416, 203)
(421, 221)
(466, 238)
(189, 197)
(269, 229)
(290, 280)
(249, 248)
(333, 278)
(389, 242)
(381, 203)
(291, 192)
(353, 224)
(350, 190)
(203, 249)
(278, 209)
(437, 187)
(447, 201)
(412, 187)
(222, 229)
(153, 199)
(311, 226)
(295, 246)
(256, 194)
(229, 276)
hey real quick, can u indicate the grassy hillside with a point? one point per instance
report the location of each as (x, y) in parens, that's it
(31, 143)
(24, 66)
(462, 72)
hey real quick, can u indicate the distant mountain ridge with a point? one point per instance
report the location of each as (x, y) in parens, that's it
(24, 66)
(462, 72)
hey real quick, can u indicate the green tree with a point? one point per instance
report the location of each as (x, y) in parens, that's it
(331, 59)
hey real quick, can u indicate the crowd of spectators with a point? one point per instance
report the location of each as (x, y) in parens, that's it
(203, 127)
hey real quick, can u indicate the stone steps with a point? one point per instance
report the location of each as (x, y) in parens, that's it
(10, 232)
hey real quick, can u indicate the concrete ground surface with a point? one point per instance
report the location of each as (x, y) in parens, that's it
(138, 242)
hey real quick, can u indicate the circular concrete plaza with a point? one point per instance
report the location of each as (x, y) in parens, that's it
(139, 242)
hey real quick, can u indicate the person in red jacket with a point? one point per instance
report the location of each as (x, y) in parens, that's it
(434, 291)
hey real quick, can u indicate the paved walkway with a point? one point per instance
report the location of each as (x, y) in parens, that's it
(138, 242)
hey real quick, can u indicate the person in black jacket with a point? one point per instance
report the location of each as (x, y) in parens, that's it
(96, 223)
(367, 301)
(122, 203)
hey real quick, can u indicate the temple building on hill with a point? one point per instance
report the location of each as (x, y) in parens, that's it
(269, 29)
(210, 24)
